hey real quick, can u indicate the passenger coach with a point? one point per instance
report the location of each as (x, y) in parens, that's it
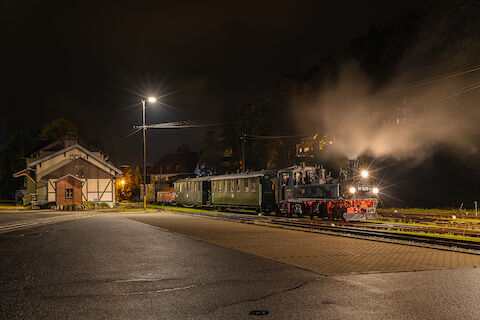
(192, 192)
(255, 190)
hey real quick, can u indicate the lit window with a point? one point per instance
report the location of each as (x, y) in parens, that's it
(68, 193)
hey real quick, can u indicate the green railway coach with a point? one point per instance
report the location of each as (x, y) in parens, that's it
(255, 190)
(192, 192)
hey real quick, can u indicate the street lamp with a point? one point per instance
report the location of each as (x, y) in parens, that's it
(122, 182)
(151, 100)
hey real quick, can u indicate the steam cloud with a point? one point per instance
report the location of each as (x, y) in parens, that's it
(378, 124)
(393, 119)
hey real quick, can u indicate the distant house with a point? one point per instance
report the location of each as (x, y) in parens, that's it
(168, 169)
(69, 171)
(183, 161)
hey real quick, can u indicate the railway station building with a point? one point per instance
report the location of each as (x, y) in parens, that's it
(69, 171)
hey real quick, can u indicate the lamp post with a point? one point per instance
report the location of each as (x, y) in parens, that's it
(152, 100)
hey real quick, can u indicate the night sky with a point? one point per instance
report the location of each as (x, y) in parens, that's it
(90, 61)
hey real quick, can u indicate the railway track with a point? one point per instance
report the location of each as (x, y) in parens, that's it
(357, 230)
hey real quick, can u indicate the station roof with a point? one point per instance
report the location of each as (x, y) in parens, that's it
(69, 175)
(106, 163)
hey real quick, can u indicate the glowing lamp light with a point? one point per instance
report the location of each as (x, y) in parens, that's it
(152, 99)
(352, 190)
(375, 190)
(122, 182)
(364, 174)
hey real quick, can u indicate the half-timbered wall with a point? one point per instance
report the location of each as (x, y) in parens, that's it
(100, 190)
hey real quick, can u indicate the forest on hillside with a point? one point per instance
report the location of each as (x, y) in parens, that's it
(405, 97)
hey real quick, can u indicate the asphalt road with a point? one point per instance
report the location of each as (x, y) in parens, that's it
(15, 216)
(109, 267)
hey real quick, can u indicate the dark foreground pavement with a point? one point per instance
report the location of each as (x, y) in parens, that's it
(108, 267)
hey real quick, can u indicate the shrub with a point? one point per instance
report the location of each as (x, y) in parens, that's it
(71, 207)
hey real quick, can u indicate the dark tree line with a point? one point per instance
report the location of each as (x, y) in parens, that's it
(20, 145)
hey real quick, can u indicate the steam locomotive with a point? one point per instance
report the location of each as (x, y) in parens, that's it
(298, 190)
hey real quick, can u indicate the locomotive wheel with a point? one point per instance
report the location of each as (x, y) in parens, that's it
(301, 211)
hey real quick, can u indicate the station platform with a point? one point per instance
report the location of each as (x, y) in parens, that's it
(323, 254)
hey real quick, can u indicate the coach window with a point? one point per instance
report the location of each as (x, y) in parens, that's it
(232, 185)
(246, 184)
(254, 184)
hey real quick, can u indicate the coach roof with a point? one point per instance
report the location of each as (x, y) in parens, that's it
(239, 176)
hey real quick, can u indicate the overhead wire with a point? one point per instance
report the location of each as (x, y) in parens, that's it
(435, 79)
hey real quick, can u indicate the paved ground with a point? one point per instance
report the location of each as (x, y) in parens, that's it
(323, 254)
(109, 267)
(15, 216)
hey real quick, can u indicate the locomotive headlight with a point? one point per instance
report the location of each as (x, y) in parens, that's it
(375, 190)
(352, 190)
(364, 174)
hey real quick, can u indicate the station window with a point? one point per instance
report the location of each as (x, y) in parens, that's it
(219, 185)
(238, 185)
(226, 185)
(254, 184)
(232, 185)
(246, 184)
(68, 193)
